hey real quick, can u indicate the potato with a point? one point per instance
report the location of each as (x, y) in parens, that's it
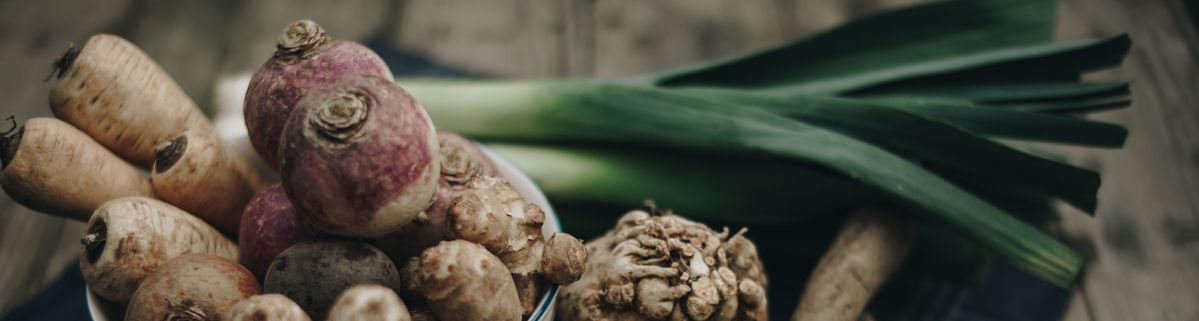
(314, 273)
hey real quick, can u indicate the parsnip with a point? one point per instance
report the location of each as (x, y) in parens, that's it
(129, 238)
(54, 168)
(869, 248)
(196, 173)
(118, 95)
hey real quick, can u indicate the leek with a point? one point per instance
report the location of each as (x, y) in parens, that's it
(905, 106)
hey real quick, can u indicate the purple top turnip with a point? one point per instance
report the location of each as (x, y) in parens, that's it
(269, 225)
(461, 160)
(360, 157)
(305, 58)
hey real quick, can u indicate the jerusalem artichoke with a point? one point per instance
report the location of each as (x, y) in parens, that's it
(491, 213)
(462, 281)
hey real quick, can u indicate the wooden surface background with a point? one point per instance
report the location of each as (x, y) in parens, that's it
(1143, 244)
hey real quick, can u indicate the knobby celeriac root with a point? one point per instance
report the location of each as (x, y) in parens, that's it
(129, 238)
(267, 307)
(369, 302)
(665, 267)
(118, 95)
(196, 173)
(491, 213)
(462, 281)
(54, 168)
(869, 248)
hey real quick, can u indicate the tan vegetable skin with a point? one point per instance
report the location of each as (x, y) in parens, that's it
(119, 96)
(369, 302)
(51, 167)
(462, 281)
(664, 267)
(130, 238)
(491, 213)
(869, 248)
(267, 307)
(195, 172)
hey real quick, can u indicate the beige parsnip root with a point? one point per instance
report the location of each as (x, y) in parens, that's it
(869, 248)
(196, 173)
(118, 95)
(665, 267)
(462, 281)
(369, 302)
(267, 307)
(51, 167)
(491, 213)
(129, 238)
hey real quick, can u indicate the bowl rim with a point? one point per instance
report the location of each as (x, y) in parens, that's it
(519, 180)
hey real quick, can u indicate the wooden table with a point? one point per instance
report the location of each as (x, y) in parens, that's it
(1144, 242)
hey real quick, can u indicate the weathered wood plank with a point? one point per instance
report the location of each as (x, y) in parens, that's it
(34, 248)
(1145, 238)
(509, 38)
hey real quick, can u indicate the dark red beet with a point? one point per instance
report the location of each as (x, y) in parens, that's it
(305, 58)
(360, 157)
(269, 225)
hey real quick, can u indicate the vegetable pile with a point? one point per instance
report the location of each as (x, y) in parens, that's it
(916, 125)
(362, 167)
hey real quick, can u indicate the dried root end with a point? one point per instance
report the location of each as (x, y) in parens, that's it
(167, 153)
(9, 142)
(300, 40)
(63, 63)
(342, 115)
(93, 242)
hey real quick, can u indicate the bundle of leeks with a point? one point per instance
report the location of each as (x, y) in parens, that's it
(915, 107)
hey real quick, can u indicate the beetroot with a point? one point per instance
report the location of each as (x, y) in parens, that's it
(305, 58)
(269, 225)
(461, 160)
(360, 157)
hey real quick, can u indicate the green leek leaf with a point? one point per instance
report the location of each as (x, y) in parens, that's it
(664, 119)
(937, 145)
(885, 47)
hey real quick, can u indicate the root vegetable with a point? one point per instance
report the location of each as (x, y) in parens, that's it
(314, 273)
(129, 238)
(666, 267)
(51, 167)
(461, 160)
(267, 307)
(305, 58)
(491, 213)
(196, 173)
(192, 287)
(118, 95)
(360, 157)
(269, 225)
(869, 248)
(369, 302)
(462, 281)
